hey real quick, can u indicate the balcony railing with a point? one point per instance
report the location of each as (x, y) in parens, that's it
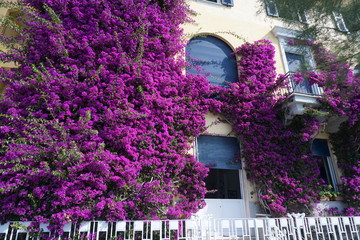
(302, 88)
(294, 227)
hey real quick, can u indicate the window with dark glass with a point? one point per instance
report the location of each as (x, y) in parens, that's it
(296, 63)
(209, 56)
(357, 71)
(226, 184)
(271, 8)
(287, 12)
(228, 3)
(222, 156)
(320, 149)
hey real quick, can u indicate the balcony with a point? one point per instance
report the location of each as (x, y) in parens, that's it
(303, 96)
(294, 227)
(300, 96)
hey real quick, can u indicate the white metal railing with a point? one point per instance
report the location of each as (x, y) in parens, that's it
(294, 227)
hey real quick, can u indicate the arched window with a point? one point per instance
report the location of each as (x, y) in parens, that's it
(210, 55)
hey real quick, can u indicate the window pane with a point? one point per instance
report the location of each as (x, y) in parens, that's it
(325, 172)
(302, 16)
(296, 63)
(212, 56)
(227, 2)
(319, 147)
(271, 8)
(223, 184)
(340, 24)
(219, 152)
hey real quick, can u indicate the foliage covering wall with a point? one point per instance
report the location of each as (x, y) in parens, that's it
(97, 120)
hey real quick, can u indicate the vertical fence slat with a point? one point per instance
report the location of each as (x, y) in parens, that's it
(4, 228)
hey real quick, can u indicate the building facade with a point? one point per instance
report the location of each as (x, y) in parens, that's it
(218, 28)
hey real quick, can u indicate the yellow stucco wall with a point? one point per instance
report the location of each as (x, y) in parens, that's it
(6, 32)
(246, 21)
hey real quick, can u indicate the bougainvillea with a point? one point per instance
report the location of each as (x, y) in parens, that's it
(346, 146)
(342, 98)
(273, 152)
(97, 119)
(340, 102)
(278, 157)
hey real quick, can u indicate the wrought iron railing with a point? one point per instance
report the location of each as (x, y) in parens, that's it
(303, 88)
(294, 227)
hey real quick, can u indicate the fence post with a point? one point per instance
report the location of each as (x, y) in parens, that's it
(298, 221)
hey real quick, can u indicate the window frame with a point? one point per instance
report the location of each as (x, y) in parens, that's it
(222, 46)
(222, 2)
(223, 185)
(304, 51)
(328, 162)
(340, 22)
(284, 35)
(271, 5)
(240, 184)
(331, 175)
(300, 16)
(228, 4)
(306, 59)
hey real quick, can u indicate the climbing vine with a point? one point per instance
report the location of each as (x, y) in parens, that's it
(277, 157)
(97, 120)
(98, 117)
(342, 98)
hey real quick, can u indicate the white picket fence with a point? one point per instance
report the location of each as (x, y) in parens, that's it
(294, 227)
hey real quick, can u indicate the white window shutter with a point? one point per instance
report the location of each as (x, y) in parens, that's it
(340, 24)
(271, 8)
(302, 16)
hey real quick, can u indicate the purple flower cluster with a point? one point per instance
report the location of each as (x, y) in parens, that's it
(341, 97)
(278, 157)
(341, 87)
(346, 146)
(97, 120)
